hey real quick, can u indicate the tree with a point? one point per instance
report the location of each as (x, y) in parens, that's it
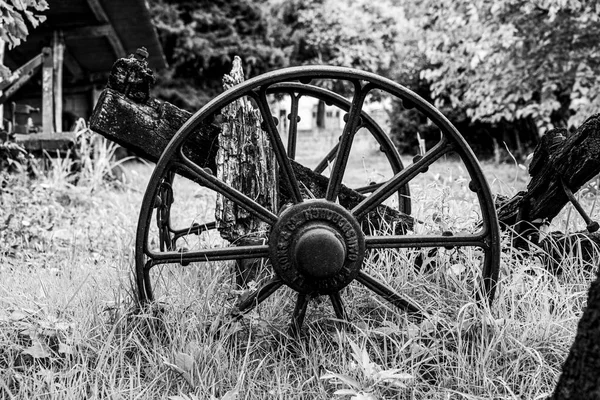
(200, 39)
(359, 34)
(15, 15)
(513, 60)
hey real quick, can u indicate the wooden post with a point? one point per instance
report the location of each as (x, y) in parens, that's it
(245, 161)
(47, 86)
(58, 47)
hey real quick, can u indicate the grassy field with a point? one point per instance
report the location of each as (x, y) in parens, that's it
(69, 330)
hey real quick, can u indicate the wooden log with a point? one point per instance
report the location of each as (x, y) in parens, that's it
(572, 158)
(146, 128)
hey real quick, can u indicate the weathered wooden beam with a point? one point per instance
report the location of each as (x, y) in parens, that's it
(21, 77)
(97, 10)
(106, 30)
(148, 127)
(72, 65)
(47, 92)
(58, 50)
(571, 158)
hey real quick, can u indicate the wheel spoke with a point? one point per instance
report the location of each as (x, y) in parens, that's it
(285, 167)
(338, 306)
(143, 280)
(388, 294)
(490, 277)
(217, 254)
(194, 229)
(419, 241)
(401, 179)
(327, 159)
(299, 314)
(232, 194)
(369, 188)
(343, 153)
(293, 131)
(259, 295)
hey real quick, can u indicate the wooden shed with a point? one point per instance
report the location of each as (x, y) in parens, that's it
(64, 64)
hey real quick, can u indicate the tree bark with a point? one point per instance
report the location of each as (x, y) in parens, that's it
(580, 378)
(246, 162)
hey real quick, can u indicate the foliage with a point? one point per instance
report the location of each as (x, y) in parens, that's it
(505, 71)
(373, 379)
(511, 60)
(359, 34)
(14, 16)
(15, 159)
(200, 39)
(65, 330)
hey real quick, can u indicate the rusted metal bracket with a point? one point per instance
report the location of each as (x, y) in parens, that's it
(591, 225)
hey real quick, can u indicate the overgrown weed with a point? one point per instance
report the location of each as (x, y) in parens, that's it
(70, 327)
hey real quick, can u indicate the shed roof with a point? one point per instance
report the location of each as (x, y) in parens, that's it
(96, 33)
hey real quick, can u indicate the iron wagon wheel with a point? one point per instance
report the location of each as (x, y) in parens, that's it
(316, 246)
(295, 90)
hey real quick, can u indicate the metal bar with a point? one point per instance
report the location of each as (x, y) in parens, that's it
(218, 254)
(232, 194)
(293, 131)
(260, 295)
(388, 294)
(299, 314)
(400, 179)
(194, 229)
(370, 188)
(591, 225)
(352, 124)
(420, 241)
(285, 167)
(338, 306)
(327, 159)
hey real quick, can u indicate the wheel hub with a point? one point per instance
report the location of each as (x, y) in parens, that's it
(316, 247)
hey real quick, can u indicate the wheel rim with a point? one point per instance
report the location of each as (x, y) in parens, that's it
(174, 160)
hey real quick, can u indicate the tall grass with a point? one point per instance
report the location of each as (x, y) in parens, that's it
(89, 165)
(69, 328)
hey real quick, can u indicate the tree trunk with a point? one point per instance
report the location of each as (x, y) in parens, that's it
(580, 378)
(246, 162)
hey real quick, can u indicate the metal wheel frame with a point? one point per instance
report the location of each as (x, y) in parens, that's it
(488, 238)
